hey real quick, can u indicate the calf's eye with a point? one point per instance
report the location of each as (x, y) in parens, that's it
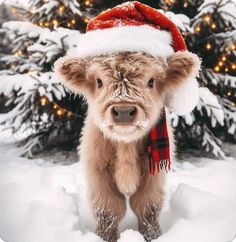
(99, 83)
(151, 83)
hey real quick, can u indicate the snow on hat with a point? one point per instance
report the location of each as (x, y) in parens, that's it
(134, 26)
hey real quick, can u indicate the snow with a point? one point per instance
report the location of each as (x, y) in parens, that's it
(44, 201)
(211, 105)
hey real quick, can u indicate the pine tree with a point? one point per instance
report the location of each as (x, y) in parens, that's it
(213, 37)
(41, 110)
(48, 116)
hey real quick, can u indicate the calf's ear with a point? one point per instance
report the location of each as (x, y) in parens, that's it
(181, 86)
(71, 72)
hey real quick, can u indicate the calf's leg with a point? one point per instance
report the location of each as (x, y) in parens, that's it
(147, 203)
(108, 203)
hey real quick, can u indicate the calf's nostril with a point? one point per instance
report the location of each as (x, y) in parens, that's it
(132, 112)
(115, 112)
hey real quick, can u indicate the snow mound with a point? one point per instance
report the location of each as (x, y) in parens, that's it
(131, 235)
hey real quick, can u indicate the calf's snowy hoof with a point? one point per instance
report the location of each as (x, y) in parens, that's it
(106, 226)
(149, 225)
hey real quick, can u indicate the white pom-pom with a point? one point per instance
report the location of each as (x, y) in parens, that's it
(185, 97)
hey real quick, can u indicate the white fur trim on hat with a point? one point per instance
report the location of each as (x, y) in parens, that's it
(125, 38)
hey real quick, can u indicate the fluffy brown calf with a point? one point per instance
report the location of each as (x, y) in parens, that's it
(126, 93)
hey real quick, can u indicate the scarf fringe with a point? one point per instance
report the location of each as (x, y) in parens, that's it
(162, 165)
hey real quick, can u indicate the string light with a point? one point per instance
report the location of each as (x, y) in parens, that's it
(46, 24)
(30, 72)
(43, 101)
(87, 3)
(41, 24)
(208, 46)
(221, 63)
(55, 22)
(61, 9)
(59, 112)
(197, 29)
(185, 5)
(233, 66)
(217, 68)
(226, 69)
(229, 93)
(18, 53)
(73, 21)
(233, 47)
(86, 20)
(207, 18)
(223, 58)
(213, 26)
(68, 25)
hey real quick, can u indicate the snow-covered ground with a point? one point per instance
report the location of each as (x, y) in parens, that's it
(45, 202)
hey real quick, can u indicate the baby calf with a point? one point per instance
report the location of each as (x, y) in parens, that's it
(126, 93)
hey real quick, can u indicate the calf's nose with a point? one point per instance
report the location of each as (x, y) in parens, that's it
(124, 114)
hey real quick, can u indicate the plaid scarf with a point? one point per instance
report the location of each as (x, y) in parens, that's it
(158, 147)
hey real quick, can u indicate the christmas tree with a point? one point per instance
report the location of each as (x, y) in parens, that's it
(212, 36)
(47, 116)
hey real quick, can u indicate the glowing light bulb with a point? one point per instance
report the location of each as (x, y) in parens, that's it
(197, 29)
(208, 46)
(43, 101)
(207, 18)
(213, 26)
(87, 3)
(217, 68)
(86, 20)
(61, 9)
(226, 69)
(223, 58)
(73, 21)
(228, 93)
(221, 63)
(185, 5)
(55, 22)
(59, 112)
(233, 66)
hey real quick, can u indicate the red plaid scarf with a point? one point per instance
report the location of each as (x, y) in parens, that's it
(158, 147)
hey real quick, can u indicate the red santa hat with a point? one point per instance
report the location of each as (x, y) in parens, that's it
(132, 27)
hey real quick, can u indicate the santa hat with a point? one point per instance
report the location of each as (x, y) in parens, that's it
(132, 27)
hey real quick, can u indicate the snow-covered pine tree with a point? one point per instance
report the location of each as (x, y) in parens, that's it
(213, 38)
(41, 110)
